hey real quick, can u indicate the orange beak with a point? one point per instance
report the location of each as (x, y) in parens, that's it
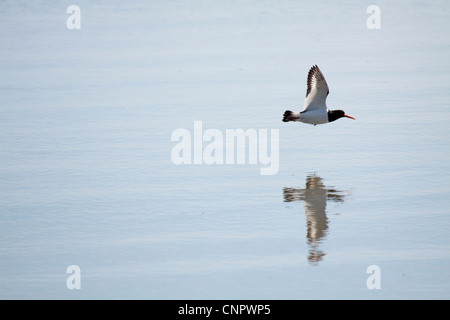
(349, 117)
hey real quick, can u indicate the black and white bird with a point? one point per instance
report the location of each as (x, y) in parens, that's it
(315, 110)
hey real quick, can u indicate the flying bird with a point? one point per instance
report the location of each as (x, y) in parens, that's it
(315, 110)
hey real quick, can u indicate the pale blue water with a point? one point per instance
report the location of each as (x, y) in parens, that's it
(85, 151)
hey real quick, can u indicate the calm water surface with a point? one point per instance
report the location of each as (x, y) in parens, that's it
(85, 151)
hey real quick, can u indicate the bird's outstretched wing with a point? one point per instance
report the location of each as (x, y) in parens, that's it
(317, 90)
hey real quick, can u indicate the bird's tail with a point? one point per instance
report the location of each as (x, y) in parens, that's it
(290, 116)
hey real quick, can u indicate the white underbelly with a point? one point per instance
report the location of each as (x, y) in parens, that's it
(314, 117)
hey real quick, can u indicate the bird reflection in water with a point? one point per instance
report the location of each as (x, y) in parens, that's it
(315, 197)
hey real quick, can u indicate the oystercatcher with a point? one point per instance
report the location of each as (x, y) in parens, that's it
(315, 111)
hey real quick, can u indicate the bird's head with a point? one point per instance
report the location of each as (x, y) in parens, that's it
(336, 114)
